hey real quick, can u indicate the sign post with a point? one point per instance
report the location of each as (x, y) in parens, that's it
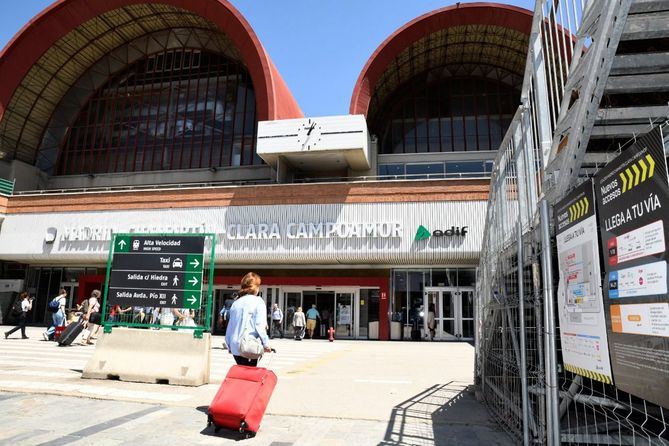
(159, 271)
(633, 206)
(585, 349)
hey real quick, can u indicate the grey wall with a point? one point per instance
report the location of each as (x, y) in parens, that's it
(27, 177)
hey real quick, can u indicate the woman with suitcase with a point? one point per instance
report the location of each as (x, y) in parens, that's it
(247, 317)
(242, 399)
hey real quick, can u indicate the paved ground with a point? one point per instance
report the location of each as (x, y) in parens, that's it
(341, 393)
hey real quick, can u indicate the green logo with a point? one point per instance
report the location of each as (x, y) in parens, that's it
(422, 234)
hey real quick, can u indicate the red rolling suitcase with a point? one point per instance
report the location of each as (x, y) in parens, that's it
(241, 400)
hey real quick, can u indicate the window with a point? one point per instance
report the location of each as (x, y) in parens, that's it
(179, 109)
(396, 170)
(432, 170)
(451, 114)
(465, 169)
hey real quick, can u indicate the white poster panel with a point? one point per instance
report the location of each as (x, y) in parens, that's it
(581, 309)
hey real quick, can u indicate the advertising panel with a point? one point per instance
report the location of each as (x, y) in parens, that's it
(585, 347)
(633, 207)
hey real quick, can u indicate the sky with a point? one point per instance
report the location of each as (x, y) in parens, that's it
(318, 46)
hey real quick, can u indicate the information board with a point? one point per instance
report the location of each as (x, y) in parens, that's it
(585, 349)
(158, 271)
(633, 207)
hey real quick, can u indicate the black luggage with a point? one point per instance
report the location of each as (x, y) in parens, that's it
(71, 332)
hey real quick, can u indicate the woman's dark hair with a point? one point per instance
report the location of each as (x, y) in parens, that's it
(23, 295)
(62, 291)
(95, 294)
(250, 284)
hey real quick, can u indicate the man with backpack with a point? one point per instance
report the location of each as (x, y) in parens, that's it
(20, 310)
(57, 307)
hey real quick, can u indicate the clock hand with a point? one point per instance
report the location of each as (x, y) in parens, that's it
(311, 128)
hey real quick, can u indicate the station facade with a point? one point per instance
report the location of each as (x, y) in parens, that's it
(169, 116)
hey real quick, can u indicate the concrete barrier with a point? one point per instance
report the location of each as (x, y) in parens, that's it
(151, 356)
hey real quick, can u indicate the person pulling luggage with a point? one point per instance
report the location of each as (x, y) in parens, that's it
(299, 323)
(20, 309)
(248, 319)
(57, 307)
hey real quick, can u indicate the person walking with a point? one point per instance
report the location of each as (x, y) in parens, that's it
(58, 316)
(277, 321)
(248, 317)
(298, 324)
(431, 323)
(92, 317)
(312, 317)
(21, 309)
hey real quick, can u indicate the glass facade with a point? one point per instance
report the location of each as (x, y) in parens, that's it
(408, 288)
(179, 109)
(448, 169)
(447, 115)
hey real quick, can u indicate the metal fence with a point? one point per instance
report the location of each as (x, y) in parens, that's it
(518, 363)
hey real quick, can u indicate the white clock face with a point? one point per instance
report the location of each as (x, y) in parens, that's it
(309, 134)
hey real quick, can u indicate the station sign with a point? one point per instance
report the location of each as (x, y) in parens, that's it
(156, 271)
(633, 208)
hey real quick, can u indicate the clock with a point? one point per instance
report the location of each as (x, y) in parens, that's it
(308, 134)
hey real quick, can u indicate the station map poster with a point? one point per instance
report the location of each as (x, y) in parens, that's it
(585, 349)
(633, 207)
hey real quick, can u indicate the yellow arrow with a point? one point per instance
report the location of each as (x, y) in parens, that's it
(630, 178)
(587, 204)
(644, 170)
(651, 163)
(580, 209)
(622, 176)
(571, 214)
(636, 174)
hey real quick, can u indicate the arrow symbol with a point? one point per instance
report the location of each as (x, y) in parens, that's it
(193, 281)
(121, 244)
(195, 263)
(192, 299)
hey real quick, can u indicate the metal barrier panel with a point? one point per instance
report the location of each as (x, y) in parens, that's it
(527, 389)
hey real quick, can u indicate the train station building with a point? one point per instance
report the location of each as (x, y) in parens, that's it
(169, 116)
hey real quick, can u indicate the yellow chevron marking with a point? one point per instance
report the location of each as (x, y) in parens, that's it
(630, 178)
(587, 204)
(622, 177)
(580, 209)
(571, 214)
(636, 174)
(644, 170)
(651, 163)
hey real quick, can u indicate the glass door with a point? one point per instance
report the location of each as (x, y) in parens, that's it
(292, 300)
(344, 314)
(467, 313)
(72, 289)
(442, 304)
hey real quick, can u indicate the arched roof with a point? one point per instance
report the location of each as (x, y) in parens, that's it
(469, 34)
(50, 53)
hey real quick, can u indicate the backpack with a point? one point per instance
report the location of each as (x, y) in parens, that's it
(54, 305)
(84, 306)
(16, 308)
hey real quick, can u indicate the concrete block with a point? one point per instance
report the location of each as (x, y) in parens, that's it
(151, 356)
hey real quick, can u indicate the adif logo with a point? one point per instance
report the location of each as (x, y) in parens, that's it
(423, 233)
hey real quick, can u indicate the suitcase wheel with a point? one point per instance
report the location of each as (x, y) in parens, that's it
(242, 427)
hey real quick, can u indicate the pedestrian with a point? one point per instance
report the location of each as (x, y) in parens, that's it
(116, 312)
(185, 317)
(431, 323)
(248, 317)
(298, 324)
(58, 316)
(20, 309)
(312, 317)
(225, 311)
(92, 318)
(277, 321)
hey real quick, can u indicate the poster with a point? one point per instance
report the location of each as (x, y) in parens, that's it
(585, 347)
(633, 207)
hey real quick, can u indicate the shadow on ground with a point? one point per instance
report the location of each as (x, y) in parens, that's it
(444, 414)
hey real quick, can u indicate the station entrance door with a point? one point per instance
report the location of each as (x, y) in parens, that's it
(453, 312)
